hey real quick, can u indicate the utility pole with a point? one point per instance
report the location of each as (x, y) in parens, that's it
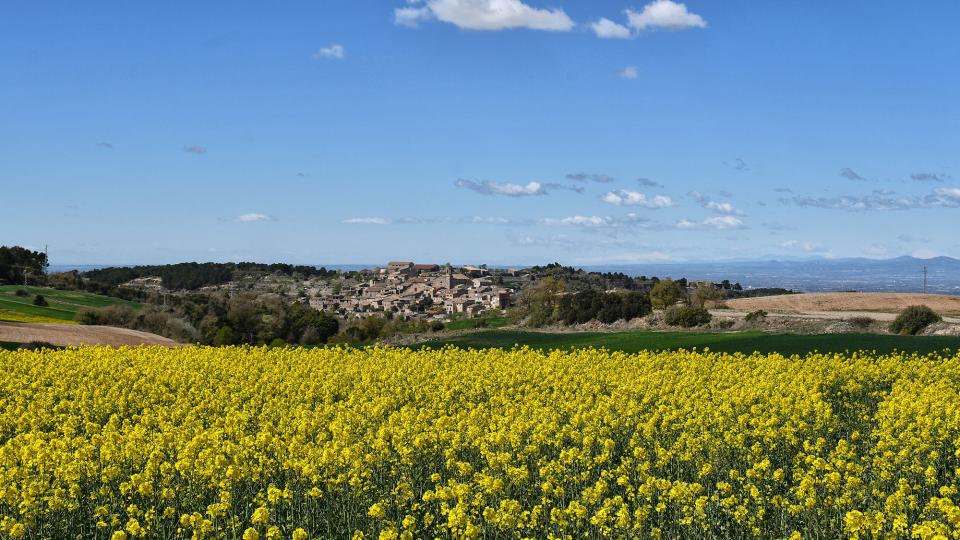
(924, 280)
(25, 270)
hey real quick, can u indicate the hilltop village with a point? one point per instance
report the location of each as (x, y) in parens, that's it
(420, 291)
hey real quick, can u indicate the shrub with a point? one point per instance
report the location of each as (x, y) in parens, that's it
(22, 292)
(914, 319)
(40, 301)
(86, 316)
(37, 346)
(436, 326)
(156, 321)
(756, 316)
(106, 316)
(687, 316)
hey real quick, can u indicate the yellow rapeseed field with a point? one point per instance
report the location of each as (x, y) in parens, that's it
(389, 443)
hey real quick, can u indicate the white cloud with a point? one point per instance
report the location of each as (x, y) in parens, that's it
(605, 28)
(583, 221)
(487, 187)
(624, 197)
(252, 217)
(717, 207)
(804, 246)
(333, 52)
(664, 14)
(723, 208)
(366, 221)
(490, 220)
(629, 220)
(881, 200)
(515, 190)
(724, 222)
(486, 15)
(719, 223)
(560, 241)
(947, 196)
(411, 16)
(629, 72)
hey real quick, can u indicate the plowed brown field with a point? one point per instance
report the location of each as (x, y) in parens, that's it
(75, 334)
(853, 302)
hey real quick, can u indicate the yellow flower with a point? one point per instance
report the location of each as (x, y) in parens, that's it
(377, 511)
(488, 443)
(261, 516)
(18, 530)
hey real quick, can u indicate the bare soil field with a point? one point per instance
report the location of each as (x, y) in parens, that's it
(870, 303)
(75, 334)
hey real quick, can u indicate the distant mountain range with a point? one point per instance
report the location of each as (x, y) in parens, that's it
(902, 274)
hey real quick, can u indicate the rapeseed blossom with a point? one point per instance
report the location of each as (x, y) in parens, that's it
(254, 443)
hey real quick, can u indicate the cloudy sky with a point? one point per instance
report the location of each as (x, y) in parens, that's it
(498, 131)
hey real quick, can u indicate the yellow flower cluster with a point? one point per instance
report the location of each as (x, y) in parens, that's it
(385, 443)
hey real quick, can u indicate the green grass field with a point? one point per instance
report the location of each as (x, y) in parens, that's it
(746, 342)
(63, 305)
(469, 324)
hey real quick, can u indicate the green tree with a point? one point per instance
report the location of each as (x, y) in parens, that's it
(225, 336)
(705, 295)
(635, 304)
(666, 293)
(539, 303)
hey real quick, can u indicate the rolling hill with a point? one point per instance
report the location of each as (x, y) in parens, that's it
(62, 305)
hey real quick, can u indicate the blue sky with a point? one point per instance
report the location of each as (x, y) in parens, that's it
(497, 131)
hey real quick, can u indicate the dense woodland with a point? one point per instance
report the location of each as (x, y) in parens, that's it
(193, 276)
(557, 301)
(22, 266)
(578, 279)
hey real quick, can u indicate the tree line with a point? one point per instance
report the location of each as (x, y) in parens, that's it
(192, 276)
(220, 318)
(551, 301)
(22, 266)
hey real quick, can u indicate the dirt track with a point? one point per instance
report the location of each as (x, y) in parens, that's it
(850, 304)
(75, 334)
